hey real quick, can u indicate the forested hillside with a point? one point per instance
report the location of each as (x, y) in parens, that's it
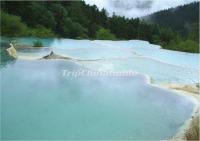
(77, 20)
(180, 19)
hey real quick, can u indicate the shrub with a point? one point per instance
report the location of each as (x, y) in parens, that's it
(37, 43)
(105, 34)
(183, 45)
(193, 132)
(189, 46)
(11, 25)
(40, 31)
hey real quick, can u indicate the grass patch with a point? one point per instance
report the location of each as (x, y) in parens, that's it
(193, 132)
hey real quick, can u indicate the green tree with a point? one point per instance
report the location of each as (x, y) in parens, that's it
(194, 34)
(40, 15)
(77, 31)
(40, 31)
(11, 25)
(65, 26)
(105, 34)
(61, 18)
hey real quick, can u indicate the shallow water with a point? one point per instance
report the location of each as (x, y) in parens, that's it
(159, 72)
(163, 66)
(36, 53)
(38, 102)
(153, 51)
(141, 48)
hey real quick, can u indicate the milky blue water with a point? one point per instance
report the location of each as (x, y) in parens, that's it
(141, 48)
(153, 51)
(163, 66)
(34, 53)
(159, 72)
(38, 102)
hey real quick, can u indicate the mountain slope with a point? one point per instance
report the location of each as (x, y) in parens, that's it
(180, 19)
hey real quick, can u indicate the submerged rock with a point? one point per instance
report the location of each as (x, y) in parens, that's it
(52, 55)
(13, 53)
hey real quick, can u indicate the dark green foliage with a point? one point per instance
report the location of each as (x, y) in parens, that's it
(194, 34)
(61, 19)
(179, 19)
(11, 25)
(175, 29)
(40, 31)
(183, 45)
(37, 43)
(40, 15)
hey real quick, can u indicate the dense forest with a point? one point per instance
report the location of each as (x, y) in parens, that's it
(180, 19)
(77, 20)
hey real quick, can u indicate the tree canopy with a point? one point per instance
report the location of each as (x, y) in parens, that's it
(105, 34)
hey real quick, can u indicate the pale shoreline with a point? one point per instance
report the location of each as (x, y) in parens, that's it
(180, 135)
(193, 96)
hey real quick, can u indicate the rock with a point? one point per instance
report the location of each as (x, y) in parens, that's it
(12, 51)
(187, 88)
(52, 55)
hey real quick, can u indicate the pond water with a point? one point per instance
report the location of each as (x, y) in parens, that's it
(163, 66)
(39, 102)
(114, 48)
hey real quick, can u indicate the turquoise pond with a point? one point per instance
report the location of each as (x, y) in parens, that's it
(94, 49)
(39, 102)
